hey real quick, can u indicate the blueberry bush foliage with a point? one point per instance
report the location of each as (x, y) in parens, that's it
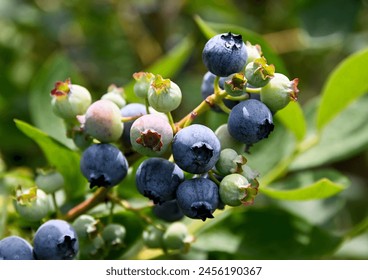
(211, 138)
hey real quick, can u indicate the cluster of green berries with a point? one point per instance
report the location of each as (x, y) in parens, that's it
(188, 170)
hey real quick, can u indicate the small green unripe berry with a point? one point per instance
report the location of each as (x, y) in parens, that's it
(116, 95)
(142, 83)
(254, 52)
(86, 227)
(152, 237)
(259, 73)
(227, 141)
(103, 121)
(164, 95)
(69, 100)
(230, 162)
(114, 235)
(235, 190)
(49, 181)
(175, 236)
(279, 92)
(32, 204)
(236, 85)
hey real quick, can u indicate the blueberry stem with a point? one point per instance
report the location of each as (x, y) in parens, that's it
(147, 105)
(223, 107)
(213, 178)
(56, 206)
(238, 98)
(171, 121)
(253, 90)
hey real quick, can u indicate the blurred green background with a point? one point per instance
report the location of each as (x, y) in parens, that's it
(102, 42)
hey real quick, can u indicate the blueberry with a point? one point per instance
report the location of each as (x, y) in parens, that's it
(130, 110)
(15, 248)
(196, 149)
(279, 92)
(207, 89)
(151, 135)
(32, 204)
(176, 236)
(198, 198)
(55, 240)
(142, 83)
(69, 100)
(158, 179)
(103, 121)
(114, 235)
(259, 73)
(227, 141)
(225, 54)
(168, 211)
(152, 237)
(250, 121)
(164, 95)
(103, 165)
(49, 181)
(116, 95)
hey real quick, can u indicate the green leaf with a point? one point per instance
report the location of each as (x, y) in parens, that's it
(292, 117)
(308, 185)
(345, 136)
(346, 83)
(268, 233)
(61, 157)
(56, 68)
(167, 66)
(210, 29)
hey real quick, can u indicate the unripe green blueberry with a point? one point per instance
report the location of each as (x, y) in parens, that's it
(49, 181)
(70, 100)
(86, 227)
(235, 190)
(236, 85)
(175, 236)
(230, 162)
(116, 95)
(142, 83)
(151, 135)
(92, 250)
(114, 235)
(32, 204)
(259, 73)
(279, 91)
(152, 237)
(227, 141)
(103, 121)
(164, 95)
(254, 52)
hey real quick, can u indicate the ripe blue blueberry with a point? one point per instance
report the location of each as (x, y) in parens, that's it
(198, 198)
(225, 54)
(158, 179)
(55, 240)
(15, 248)
(103, 165)
(250, 121)
(168, 211)
(207, 89)
(196, 149)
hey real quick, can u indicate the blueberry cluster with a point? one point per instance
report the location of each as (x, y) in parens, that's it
(185, 168)
(189, 170)
(53, 240)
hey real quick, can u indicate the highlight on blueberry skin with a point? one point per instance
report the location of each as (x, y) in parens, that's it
(198, 198)
(225, 54)
(158, 179)
(55, 240)
(250, 121)
(196, 149)
(15, 248)
(103, 165)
